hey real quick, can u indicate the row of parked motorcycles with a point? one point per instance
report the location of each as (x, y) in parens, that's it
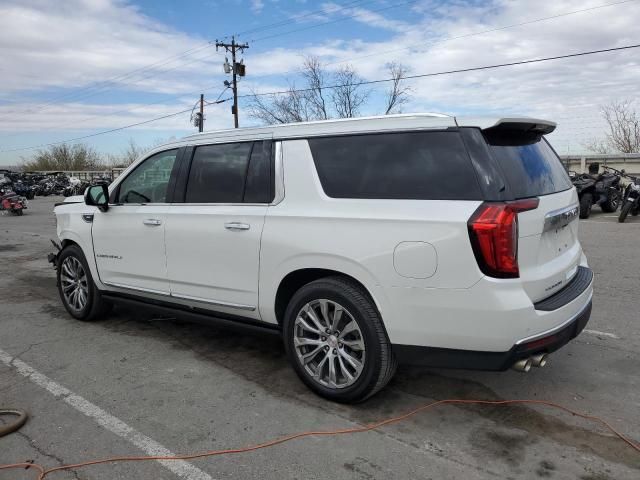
(17, 188)
(608, 191)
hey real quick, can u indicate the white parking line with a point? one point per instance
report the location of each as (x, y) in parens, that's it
(604, 334)
(609, 223)
(149, 446)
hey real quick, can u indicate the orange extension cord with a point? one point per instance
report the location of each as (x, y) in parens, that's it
(44, 472)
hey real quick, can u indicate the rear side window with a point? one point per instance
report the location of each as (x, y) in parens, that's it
(230, 173)
(531, 170)
(416, 165)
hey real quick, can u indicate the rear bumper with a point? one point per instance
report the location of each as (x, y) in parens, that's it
(479, 360)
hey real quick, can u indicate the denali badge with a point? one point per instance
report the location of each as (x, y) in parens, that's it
(114, 257)
(560, 218)
(557, 284)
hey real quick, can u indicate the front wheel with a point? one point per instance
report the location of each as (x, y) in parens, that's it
(624, 211)
(585, 205)
(336, 341)
(77, 291)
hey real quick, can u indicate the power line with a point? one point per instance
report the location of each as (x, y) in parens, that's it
(128, 110)
(116, 80)
(125, 75)
(309, 27)
(467, 35)
(77, 96)
(497, 29)
(43, 145)
(448, 72)
(370, 82)
(296, 18)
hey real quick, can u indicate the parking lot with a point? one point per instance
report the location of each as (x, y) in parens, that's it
(136, 383)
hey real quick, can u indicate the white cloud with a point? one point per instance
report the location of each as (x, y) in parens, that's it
(257, 5)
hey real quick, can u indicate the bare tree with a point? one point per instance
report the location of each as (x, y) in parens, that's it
(623, 121)
(292, 106)
(325, 95)
(348, 96)
(315, 76)
(398, 94)
(130, 154)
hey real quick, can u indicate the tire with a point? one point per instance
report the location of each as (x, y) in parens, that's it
(19, 212)
(585, 205)
(94, 307)
(624, 211)
(378, 362)
(612, 203)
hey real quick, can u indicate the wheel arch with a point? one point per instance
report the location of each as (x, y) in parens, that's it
(296, 279)
(69, 238)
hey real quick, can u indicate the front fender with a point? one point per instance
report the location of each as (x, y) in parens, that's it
(86, 245)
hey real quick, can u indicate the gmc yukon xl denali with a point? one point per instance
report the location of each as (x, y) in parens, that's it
(421, 238)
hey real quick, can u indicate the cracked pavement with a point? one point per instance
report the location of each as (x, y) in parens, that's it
(194, 387)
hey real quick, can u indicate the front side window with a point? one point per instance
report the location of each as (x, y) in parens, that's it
(149, 182)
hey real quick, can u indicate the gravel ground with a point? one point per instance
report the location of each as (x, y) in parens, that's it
(135, 383)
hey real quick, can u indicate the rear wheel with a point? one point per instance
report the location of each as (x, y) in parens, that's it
(624, 211)
(77, 291)
(612, 202)
(585, 205)
(336, 341)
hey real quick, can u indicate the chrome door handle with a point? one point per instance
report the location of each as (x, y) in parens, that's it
(152, 222)
(237, 226)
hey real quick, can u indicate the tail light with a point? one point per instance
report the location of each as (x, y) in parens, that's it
(493, 229)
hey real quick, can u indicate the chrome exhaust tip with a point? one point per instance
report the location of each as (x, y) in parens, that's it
(539, 360)
(523, 365)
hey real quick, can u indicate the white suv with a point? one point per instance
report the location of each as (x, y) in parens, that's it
(423, 238)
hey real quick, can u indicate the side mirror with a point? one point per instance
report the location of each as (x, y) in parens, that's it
(98, 196)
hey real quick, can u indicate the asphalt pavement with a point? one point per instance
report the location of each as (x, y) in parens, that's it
(136, 384)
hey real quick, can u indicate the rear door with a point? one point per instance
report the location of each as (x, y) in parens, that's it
(213, 233)
(548, 248)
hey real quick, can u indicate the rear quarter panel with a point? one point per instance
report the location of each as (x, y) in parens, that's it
(358, 237)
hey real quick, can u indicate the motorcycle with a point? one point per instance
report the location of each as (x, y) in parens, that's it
(24, 190)
(631, 201)
(604, 190)
(12, 203)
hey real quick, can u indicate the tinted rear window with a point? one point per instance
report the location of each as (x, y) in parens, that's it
(416, 165)
(531, 170)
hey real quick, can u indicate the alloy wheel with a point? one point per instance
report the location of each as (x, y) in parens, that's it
(329, 344)
(74, 283)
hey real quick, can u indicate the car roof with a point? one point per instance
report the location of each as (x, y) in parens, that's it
(342, 126)
(345, 126)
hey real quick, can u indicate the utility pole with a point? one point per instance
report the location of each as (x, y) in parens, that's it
(236, 69)
(201, 120)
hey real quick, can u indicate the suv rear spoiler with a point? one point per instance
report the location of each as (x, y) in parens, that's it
(517, 131)
(542, 127)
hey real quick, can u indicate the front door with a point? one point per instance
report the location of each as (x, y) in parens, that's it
(128, 238)
(213, 237)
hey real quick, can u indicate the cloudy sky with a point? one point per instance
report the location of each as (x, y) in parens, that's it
(77, 67)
